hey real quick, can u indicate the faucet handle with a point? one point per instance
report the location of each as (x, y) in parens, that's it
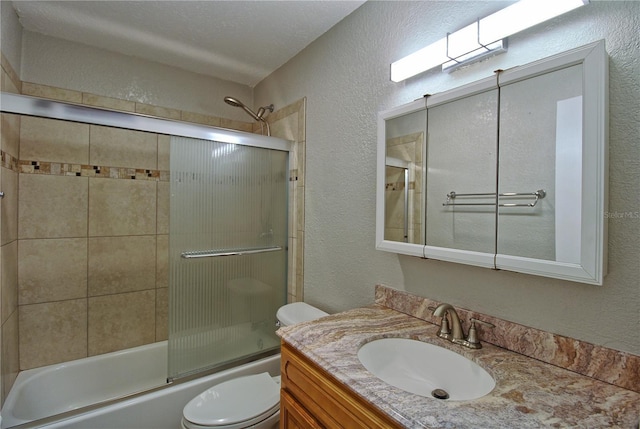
(482, 322)
(472, 338)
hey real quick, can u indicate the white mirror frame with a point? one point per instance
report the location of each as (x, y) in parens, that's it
(593, 259)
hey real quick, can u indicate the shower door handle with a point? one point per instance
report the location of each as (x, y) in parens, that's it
(228, 252)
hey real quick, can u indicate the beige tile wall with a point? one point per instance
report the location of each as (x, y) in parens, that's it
(92, 264)
(289, 123)
(9, 144)
(88, 241)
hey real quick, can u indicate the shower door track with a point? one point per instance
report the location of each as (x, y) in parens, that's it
(44, 108)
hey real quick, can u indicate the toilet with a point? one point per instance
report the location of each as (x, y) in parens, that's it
(248, 402)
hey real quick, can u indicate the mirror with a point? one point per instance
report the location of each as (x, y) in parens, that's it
(404, 203)
(513, 170)
(462, 155)
(400, 202)
(542, 153)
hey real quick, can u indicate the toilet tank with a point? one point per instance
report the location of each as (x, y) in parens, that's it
(297, 312)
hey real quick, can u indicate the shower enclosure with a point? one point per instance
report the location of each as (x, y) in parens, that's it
(135, 230)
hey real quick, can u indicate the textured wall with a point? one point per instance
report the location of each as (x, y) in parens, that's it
(63, 64)
(10, 35)
(345, 76)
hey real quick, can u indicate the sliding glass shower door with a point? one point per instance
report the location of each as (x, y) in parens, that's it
(227, 251)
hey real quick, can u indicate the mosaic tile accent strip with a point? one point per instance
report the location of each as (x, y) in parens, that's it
(81, 170)
(399, 186)
(9, 161)
(611, 366)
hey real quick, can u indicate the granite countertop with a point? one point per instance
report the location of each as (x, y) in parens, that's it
(528, 393)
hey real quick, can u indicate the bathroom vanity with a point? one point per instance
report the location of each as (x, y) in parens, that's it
(312, 398)
(325, 385)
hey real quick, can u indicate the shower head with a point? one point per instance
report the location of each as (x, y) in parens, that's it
(237, 103)
(233, 102)
(257, 116)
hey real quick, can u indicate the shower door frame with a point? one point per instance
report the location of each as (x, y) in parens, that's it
(52, 109)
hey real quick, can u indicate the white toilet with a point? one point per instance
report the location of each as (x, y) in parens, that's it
(251, 401)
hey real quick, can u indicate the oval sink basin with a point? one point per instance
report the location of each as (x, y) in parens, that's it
(425, 369)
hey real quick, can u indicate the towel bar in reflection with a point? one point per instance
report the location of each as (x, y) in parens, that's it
(228, 252)
(536, 196)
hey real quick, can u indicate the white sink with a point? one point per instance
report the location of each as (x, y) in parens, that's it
(425, 369)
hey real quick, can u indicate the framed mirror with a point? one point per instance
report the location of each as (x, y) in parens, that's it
(553, 137)
(514, 170)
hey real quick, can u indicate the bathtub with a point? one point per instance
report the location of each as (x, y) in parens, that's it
(74, 388)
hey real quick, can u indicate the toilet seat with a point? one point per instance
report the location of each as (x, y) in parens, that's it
(234, 404)
(298, 312)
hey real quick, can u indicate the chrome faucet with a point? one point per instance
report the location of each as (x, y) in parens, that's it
(454, 332)
(445, 331)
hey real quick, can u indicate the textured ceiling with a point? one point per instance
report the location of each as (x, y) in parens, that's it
(239, 41)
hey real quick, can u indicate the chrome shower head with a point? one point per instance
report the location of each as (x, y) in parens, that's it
(233, 102)
(237, 103)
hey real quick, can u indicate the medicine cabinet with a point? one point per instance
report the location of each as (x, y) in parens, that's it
(509, 172)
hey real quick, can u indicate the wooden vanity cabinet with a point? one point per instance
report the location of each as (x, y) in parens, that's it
(311, 398)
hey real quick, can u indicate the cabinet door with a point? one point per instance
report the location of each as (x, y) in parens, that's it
(294, 416)
(462, 128)
(461, 160)
(543, 152)
(326, 402)
(553, 129)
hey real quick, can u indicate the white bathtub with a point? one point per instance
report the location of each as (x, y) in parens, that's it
(55, 389)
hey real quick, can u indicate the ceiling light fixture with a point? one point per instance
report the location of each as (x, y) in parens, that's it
(482, 38)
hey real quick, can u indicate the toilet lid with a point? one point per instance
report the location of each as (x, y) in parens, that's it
(235, 401)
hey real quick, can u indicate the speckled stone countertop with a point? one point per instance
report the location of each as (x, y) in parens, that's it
(528, 393)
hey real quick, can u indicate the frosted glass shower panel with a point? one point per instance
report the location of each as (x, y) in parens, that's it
(541, 149)
(227, 250)
(461, 173)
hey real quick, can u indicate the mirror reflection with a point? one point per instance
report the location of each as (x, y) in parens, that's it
(461, 173)
(541, 148)
(403, 193)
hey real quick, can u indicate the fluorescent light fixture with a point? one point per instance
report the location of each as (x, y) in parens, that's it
(426, 58)
(522, 15)
(483, 37)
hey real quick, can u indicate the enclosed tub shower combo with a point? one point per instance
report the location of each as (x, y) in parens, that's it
(227, 270)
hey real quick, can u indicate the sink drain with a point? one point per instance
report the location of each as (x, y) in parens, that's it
(440, 394)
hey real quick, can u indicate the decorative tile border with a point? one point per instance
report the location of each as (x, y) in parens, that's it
(611, 366)
(9, 161)
(81, 170)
